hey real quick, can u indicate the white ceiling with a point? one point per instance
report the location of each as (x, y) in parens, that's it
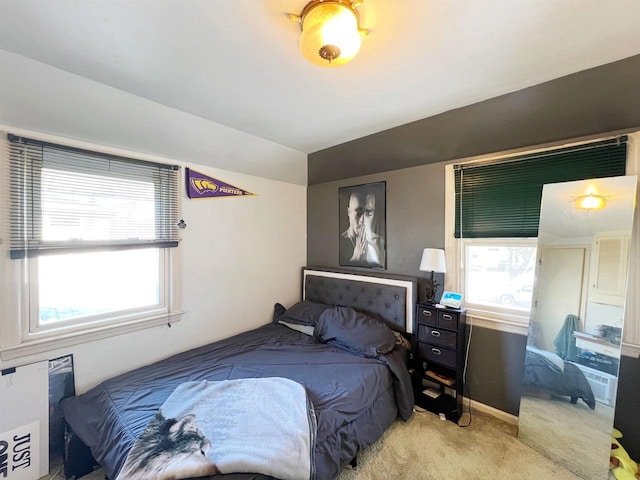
(236, 62)
(561, 220)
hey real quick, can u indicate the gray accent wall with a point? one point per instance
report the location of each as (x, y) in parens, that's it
(601, 99)
(415, 200)
(495, 368)
(415, 217)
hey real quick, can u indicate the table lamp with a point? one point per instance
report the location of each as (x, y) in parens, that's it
(432, 261)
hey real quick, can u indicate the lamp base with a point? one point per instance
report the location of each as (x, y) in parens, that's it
(431, 287)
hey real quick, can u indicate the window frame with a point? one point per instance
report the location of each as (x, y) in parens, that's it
(492, 318)
(19, 291)
(35, 329)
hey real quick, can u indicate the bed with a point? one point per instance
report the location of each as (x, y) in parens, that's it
(335, 343)
(546, 372)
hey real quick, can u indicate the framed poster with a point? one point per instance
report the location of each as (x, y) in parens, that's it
(61, 386)
(363, 225)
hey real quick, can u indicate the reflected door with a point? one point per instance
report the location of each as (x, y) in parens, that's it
(560, 293)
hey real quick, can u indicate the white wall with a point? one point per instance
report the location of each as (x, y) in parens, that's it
(240, 255)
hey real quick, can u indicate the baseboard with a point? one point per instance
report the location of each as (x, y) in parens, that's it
(478, 407)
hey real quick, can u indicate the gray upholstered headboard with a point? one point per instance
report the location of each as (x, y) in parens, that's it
(390, 298)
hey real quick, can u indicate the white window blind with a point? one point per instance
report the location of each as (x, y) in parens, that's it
(65, 200)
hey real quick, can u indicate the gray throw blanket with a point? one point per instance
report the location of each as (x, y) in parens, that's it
(252, 425)
(565, 342)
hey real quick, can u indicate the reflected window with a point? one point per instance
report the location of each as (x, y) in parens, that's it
(499, 274)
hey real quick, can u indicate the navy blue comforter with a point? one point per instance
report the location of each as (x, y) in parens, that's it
(356, 398)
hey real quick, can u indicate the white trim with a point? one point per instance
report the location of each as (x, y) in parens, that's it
(406, 284)
(631, 325)
(451, 244)
(506, 326)
(630, 350)
(75, 338)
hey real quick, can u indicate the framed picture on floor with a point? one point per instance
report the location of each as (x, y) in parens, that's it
(362, 240)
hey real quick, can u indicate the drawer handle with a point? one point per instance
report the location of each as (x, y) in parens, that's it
(426, 313)
(446, 316)
(435, 333)
(436, 351)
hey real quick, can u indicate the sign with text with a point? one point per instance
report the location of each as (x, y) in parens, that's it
(200, 185)
(19, 453)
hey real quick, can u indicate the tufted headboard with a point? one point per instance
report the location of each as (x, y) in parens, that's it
(390, 298)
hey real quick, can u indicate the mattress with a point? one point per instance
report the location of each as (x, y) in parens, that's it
(355, 398)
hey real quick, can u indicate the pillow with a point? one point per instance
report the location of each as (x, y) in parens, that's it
(302, 313)
(354, 331)
(306, 329)
(278, 309)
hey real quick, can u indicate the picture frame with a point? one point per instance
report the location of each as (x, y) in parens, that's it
(363, 225)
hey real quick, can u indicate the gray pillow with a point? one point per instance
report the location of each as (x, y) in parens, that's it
(302, 313)
(354, 331)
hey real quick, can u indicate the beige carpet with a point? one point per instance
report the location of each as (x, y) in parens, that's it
(427, 448)
(572, 435)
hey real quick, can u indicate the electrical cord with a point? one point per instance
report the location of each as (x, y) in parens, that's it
(464, 376)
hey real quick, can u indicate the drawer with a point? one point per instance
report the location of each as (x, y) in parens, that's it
(437, 337)
(437, 354)
(447, 320)
(428, 316)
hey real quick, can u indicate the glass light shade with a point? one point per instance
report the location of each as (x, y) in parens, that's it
(591, 202)
(330, 35)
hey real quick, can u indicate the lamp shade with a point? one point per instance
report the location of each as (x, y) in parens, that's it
(330, 35)
(433, 261)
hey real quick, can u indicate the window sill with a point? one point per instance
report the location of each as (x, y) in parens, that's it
(33, 347)
(630, 350)
(498, 321)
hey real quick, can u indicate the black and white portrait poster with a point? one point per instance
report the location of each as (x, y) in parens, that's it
(363, 225)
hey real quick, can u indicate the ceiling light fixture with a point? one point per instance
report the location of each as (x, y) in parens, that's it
(331, 35)
(590, 202)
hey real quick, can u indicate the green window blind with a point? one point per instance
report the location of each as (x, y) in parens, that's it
(502, 199)
(65, 200)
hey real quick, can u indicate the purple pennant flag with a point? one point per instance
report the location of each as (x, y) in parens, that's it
(200, 185)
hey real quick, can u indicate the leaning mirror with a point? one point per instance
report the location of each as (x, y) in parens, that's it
(575, 329)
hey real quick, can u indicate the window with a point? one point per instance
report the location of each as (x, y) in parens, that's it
(496, 209)
(500, 274)
(91, 236)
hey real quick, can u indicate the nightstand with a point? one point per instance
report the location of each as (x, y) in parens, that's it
(439, 355)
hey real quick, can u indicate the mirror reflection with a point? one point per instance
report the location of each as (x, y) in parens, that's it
(575, 328)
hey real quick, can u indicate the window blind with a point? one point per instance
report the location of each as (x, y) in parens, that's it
(502, 199)
(65, 200)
